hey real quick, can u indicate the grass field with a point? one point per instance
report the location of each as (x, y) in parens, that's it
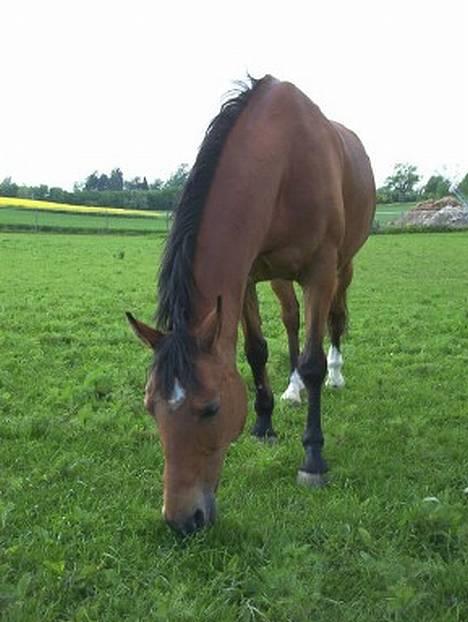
(43, 215)
(51, 206)
(81, 537)
(40, 219)
(390, 211)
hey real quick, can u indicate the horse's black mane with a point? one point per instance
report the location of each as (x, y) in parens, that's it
(175, 355)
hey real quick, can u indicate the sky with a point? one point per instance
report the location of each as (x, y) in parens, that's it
(93, 85)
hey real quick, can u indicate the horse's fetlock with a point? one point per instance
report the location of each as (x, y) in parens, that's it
(264, 401)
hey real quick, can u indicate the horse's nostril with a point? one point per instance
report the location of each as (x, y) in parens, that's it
(199, 519)
(203, 516)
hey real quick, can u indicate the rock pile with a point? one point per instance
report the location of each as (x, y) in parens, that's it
(447, 213)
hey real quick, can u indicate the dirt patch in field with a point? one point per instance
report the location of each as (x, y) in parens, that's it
(447, 212)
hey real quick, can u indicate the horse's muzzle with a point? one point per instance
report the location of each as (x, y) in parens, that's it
(204, 515)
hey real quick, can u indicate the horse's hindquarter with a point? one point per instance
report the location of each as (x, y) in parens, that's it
(308, 210)
(327, 193)
(358, 192)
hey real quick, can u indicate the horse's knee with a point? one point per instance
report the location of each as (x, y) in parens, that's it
(313, 368)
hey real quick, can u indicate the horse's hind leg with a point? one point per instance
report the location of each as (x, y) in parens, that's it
(256, 351)
(319, 289)
(284, 291)
(337, 320)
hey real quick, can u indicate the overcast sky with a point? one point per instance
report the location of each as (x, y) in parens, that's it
(95, 84)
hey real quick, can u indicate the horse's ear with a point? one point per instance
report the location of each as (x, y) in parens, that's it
(211, 326)
(149, 336)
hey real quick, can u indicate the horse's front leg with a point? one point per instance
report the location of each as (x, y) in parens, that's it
(256, 351)
(319, 287)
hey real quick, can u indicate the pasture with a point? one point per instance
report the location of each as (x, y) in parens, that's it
(27, 214)
(81, 537)
(43, 220)
(386, 212)
(51, 206)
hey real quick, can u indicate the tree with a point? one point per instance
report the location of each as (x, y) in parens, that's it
(57, 195)
(8, 188)
(116, 180)
(177, 180)
(103, 183)
(463, 186)
(156, 184)
(437, 186)
(92, 181)
(401, 185)
(40, 192)
(133, 184)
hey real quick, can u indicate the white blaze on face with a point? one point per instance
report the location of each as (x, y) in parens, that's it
(335, 363)
(293, 392)
(178, 395)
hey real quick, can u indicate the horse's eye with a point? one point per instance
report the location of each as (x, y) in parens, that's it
(211, 409)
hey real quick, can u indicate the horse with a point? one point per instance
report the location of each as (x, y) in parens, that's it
(277, 193)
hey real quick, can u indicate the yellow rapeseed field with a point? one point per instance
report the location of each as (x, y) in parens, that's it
(76, 209)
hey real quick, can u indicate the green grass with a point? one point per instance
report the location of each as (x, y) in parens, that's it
(29, 219)
(390, 211)
(81, 537)
(42, 219)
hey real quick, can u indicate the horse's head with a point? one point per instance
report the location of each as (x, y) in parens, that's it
(196, 422)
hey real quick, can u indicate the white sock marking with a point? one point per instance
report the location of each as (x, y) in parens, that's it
(335, 363)
(293, 392)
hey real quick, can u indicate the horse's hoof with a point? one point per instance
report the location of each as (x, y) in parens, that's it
(335, 382)
(311, 480)
(291, 395)
(269, 437)
(294, 388)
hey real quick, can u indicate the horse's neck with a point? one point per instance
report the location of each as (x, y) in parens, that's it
(217, 274)
(235, 222)
(227, 245)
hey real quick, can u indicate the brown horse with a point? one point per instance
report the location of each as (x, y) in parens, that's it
(277, 192)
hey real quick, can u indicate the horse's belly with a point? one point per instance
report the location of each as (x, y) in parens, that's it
(286, 263)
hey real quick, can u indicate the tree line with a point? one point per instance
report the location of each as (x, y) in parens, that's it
(113, 190)
(108, 190)
(403, 185)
